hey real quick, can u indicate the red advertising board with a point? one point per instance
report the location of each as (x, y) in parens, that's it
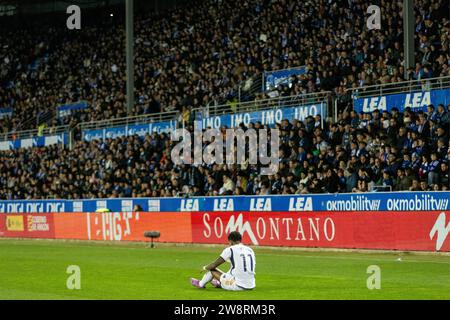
(27, 225)
(393, 230)
(117, 226)
(361, 230)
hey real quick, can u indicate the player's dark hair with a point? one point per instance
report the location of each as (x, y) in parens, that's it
(235, 236)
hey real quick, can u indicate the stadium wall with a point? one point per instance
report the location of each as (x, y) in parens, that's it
(414, 221)
(375, 201)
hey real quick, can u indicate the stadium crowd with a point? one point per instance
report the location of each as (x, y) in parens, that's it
(201, 51)
(198, 54)
(395, 151)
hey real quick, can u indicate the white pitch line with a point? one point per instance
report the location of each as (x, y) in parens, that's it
(123, 245)
(356, 258)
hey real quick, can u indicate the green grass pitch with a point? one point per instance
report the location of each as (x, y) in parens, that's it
(36, 269)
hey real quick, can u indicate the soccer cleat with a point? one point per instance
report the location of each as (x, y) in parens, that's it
(216, 283)
(196, 283)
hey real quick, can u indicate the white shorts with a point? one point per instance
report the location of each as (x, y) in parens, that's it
(228, 282)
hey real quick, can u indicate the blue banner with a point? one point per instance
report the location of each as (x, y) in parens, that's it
(415, 100)
(273, 79)
(44, 141)
(66, 110)
(5, 112)
(368, 202)
(129, 130)
(266, 117)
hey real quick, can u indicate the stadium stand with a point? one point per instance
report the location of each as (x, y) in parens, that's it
(409, 151)
(198, 61)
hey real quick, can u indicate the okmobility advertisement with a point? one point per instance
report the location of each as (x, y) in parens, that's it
(414, 100)
(409, 221)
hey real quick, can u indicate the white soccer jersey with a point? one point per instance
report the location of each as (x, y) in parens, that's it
(243, 263)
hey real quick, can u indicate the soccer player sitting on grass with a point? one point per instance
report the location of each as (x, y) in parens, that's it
(242, 273)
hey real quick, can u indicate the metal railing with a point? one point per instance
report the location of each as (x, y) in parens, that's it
(250, 88)
(263, 104)
(381, 188)
(115, 122)
(208, 111)
(25, 134)
(46, 117)
(134, 120)
(400, 87)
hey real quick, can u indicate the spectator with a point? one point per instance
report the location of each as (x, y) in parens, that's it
(444, 173)
(196, 61)
(433, 168)
(228, 185)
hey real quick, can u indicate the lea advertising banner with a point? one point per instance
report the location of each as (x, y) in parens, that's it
(389, 230)
(415, 100)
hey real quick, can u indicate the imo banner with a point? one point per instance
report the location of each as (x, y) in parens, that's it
(266, 117)
(364, 202)
(414, 100)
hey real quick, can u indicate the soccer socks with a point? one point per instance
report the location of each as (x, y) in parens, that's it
(206, 278)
